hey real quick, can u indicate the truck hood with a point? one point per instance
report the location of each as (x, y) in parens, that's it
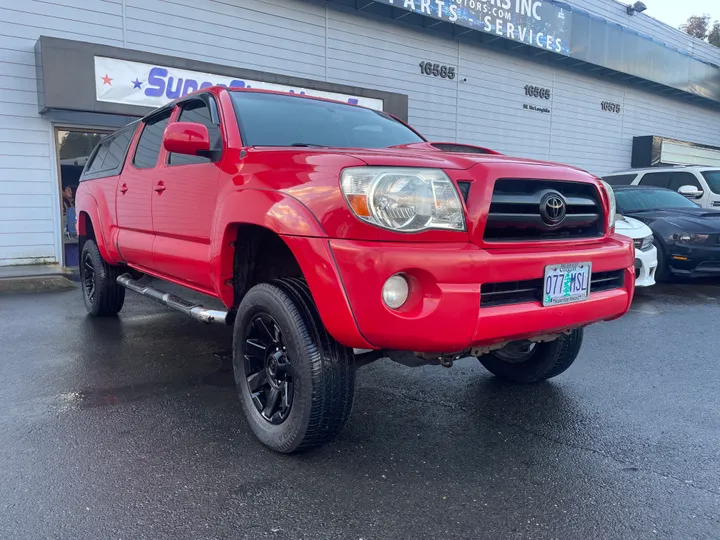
(426, 155)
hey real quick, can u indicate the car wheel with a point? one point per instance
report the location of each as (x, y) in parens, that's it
(102, 295)
(529, 362)
(295, 382)
(663, 272)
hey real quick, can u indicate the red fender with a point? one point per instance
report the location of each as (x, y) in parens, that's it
(306, 238)
(87, 208)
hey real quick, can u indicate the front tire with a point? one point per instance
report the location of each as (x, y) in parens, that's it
(295, 382)
(526, 362)
(663, 274)
(102, 295)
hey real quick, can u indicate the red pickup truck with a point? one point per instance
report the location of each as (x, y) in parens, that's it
(336, 235)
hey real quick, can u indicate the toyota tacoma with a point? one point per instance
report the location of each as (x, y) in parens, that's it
(335, 235)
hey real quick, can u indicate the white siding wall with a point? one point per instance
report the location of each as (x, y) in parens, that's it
(29, 191)
(309, 40)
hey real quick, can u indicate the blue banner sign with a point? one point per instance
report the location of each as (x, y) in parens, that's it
(542, 24)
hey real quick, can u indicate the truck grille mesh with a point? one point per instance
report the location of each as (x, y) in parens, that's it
(516, 212)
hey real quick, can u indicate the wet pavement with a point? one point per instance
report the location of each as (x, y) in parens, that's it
(130, 428)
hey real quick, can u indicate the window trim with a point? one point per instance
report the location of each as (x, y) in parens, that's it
(215, 154)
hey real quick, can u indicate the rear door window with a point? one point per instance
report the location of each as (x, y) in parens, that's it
(148, 147)
(657, 179)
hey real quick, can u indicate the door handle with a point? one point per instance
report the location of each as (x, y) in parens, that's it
(123, 189)
(160, 187)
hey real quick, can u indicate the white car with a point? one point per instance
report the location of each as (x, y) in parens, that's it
(645, 251)
(699, 184)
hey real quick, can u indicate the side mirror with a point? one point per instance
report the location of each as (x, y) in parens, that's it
(186, 138)
(691, 192)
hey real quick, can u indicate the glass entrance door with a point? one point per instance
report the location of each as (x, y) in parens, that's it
(74, 147)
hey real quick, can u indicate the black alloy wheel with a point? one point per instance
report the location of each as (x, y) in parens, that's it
(268, 369)
(88, 277)
(295, 382)
(103, 296)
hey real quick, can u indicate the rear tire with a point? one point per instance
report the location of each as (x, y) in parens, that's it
(102, 295)
(540, 362)
(295, 382)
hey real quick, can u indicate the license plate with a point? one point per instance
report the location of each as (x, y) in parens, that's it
(565, 283)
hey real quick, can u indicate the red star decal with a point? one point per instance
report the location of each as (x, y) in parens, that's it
(106, 79)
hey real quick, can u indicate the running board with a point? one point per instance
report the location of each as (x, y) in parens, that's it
(196, 311)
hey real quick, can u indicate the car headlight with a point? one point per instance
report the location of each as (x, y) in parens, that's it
(403, 199)
(644, 244)
(691, 238)
(612, 206)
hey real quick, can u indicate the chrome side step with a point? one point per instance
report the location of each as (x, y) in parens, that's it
(196, 311)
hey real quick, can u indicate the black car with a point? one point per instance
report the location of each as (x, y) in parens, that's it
(687, 237)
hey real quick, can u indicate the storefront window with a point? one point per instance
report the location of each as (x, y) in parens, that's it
(74, 149)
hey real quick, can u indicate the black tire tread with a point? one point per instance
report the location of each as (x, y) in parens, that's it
(336, 369)
(550, 360)
(663, 274)
(332, 366)
(569, 349)
(109, 294)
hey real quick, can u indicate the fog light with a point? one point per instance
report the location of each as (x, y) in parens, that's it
(395, 291)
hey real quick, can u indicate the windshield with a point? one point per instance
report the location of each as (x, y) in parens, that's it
(278, 120)
(639, 200)
(713, 180)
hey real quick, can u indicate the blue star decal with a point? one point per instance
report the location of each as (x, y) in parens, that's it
(136, 83)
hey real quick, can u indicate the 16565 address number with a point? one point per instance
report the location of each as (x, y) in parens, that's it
(437, 70)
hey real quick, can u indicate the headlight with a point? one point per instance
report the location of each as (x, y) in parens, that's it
(644, 244)
(691, 238)
(612, 206)
(403, 199)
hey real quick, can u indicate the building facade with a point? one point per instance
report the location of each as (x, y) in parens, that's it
(542, 79)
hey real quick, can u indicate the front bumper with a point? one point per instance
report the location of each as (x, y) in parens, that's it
(443, 312)
(694, 261)
(645, 266)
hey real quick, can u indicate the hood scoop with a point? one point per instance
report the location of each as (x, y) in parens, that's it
(462, 148)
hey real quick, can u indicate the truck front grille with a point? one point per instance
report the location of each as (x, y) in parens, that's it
(517, 292)
(526, 209)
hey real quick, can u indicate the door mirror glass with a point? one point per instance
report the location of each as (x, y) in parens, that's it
(691, 192)
(188, 138)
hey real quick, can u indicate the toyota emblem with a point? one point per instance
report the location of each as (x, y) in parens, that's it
(553, 208)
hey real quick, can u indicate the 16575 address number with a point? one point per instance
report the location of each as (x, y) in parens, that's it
(437, 70)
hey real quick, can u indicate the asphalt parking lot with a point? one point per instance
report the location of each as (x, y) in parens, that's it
(130, 428)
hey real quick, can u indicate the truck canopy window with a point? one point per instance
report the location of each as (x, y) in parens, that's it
(278, 120)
